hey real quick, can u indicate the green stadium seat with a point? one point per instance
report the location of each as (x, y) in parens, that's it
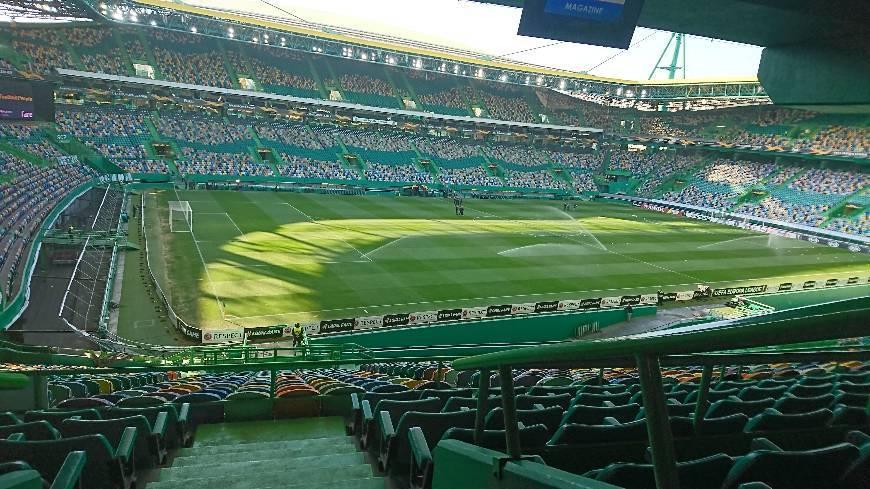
(703, 473)
(726, 407)
(613, 432)
(801, 390)
(551, 417)
(526, 401)
(8, 418)
(807, 469)
(460, 403)
(757, 393)
(371, 434)
(178, 432)
(32, 430)
(107, 466)
(150, 448)
(532, 437)
(356, 399)
(724, 425)
(853, 388)
(850, 416)
(581, 414)
(712, 395)
(394, 454)
(790, 404)
(445, 394)
(20, 475)
(590, 399)
(773, 420)
(852, 399)
(56, 417)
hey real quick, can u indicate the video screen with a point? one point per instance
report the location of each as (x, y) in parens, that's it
(26, 101)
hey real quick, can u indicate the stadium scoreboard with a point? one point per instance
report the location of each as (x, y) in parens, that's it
(25, 100)
(608, 23)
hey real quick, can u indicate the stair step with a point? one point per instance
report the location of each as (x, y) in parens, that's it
(185, 460)
(314, 443)
(260, 467)
(282, 479)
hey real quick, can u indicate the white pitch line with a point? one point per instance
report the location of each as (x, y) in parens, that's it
(241, 234)
(310, 219)
(379, 248)
(548, 294)
(731, 240)
(217, 297)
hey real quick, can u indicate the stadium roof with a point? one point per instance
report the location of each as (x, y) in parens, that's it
(45, 10)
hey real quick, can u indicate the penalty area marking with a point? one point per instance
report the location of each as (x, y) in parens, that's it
(311, 220)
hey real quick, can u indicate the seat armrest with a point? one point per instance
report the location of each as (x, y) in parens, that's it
(125, 446)
(366, 412)
(611, 421)
(762, 443)
(16, 437)
(354, 402)
(537, 406)
(70, 473)
(159, 427)
(419, 448)
(184, 412)
(386, 425)
(608, 404)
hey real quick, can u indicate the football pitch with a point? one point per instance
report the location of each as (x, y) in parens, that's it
(261, 258)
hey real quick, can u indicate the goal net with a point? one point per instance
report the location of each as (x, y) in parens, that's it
(180, 216)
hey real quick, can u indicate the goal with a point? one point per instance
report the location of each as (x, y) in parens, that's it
(180, 216)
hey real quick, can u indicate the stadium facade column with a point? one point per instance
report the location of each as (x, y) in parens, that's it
(661, 441)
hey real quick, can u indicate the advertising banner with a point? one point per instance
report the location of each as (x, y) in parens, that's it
(810, 284)
(449, 314)
(748, 289)
(831, 282)
(336, 325)
(629, 300)
(852, 281)
(667, 296)
(523, 308)
(396, 319)
(548, 306)
(785, 287)
(568, 305)
(649, 299)
(369, 322)
(591, 303)
(222, 335)
(473, 312)
(423, 317)
(502, 310)
(265, 332)
(611, 301)
(686, 295)
(193, 333)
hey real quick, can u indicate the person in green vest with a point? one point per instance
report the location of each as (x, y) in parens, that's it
(298, 335)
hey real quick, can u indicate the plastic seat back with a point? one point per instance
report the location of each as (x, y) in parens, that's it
(790, 404)
(550, 417)
(526, 401)
(47, 456)
(591, 399)
(773, 420)
(57, 417)
(582, 414)
(534, 436)
(809, 469)
(703, 473)
(583, 434)
(727, 407)
(433, 425)
(33, 430)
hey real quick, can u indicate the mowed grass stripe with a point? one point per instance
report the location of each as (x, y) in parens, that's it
(283, 263)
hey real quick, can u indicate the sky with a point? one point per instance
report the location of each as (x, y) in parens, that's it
(491, 30)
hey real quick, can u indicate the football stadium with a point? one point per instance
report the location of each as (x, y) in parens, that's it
(437, 244)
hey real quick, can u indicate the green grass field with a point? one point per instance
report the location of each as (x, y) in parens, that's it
(257, 258)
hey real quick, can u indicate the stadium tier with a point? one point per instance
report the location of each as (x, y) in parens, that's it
(228, 258)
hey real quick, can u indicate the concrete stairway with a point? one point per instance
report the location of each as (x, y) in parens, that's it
(286, 454)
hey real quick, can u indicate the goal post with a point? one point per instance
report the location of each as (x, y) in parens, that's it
(180, 216)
